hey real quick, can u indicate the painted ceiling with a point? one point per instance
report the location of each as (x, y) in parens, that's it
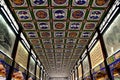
(59, 30)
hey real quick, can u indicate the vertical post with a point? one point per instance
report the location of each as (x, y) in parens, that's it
(40, 74)
(74, 74)
(43, 75)
(90, 66)
(100, 37)
(82, 69)
(77, 73)
(27, 76)
(71, 77)
(14, 55)
(35, 68)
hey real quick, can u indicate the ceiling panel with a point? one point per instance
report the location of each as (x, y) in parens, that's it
(59, 30)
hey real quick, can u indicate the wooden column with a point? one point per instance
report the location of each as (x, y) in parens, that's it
(100, 37)
(82, 69)
(35, 68)
(14, 56)
(90, 65)
(27, 75)
(77, 73)
(40, 73)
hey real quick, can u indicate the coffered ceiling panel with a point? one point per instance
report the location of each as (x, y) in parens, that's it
(59, 30)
